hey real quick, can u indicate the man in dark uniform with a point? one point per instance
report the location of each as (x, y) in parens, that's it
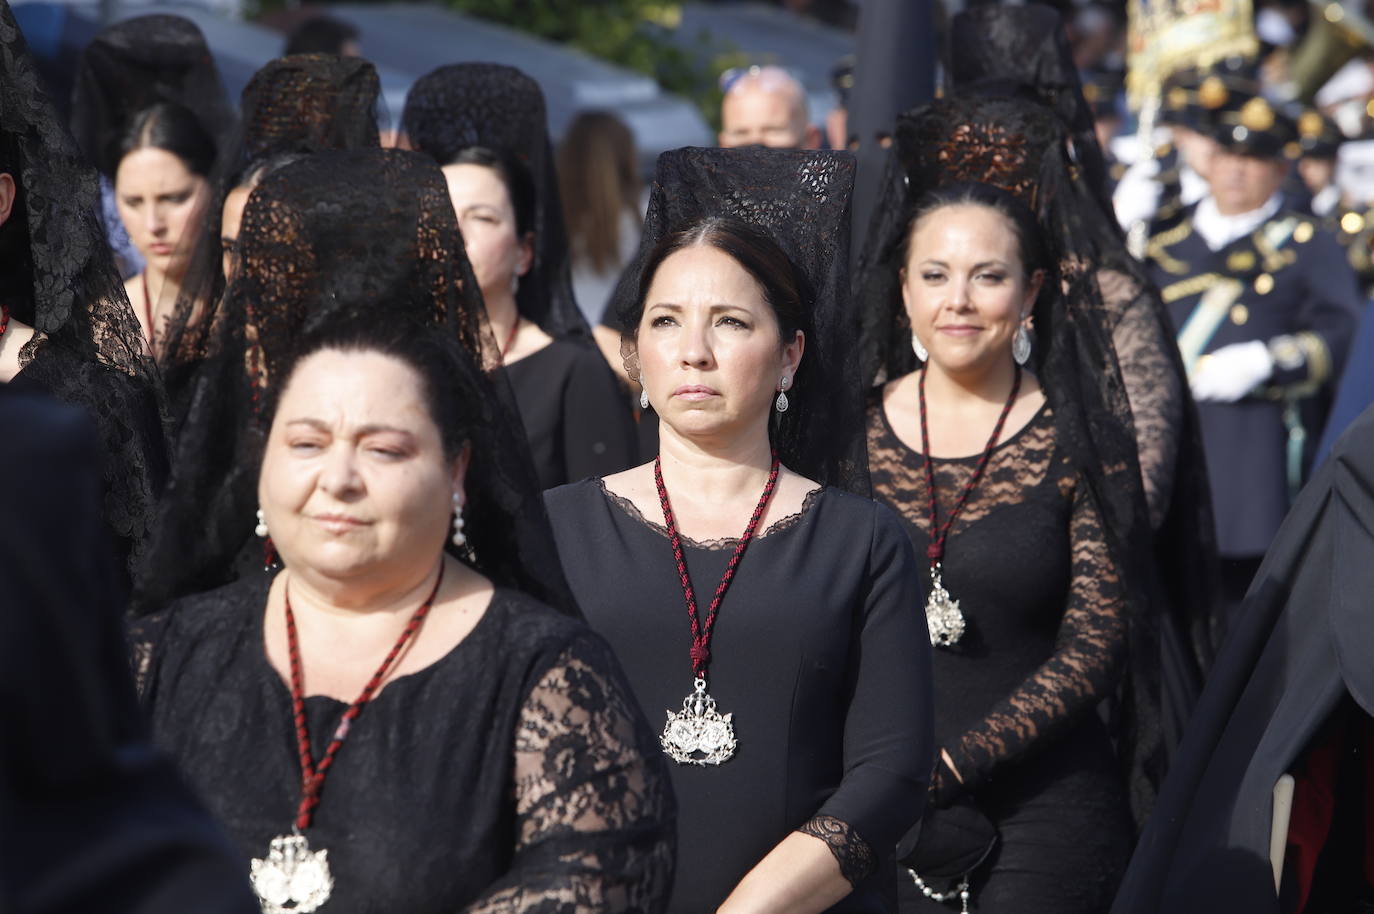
(1264, 304)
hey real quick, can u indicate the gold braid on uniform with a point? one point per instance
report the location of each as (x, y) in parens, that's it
(1167, 238)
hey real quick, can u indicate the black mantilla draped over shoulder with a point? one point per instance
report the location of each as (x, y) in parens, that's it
(353, 235)
(1092, 321)
(59, 278)
(801, 199)
(501, 108)
(293, 107)
(135, 64)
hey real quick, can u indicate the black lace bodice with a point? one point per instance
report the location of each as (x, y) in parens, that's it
(1027, 560)
(514, 774)
(817, 654)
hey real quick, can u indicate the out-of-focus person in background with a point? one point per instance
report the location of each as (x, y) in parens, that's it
(1319, 142)
(765, 106)
(128, 68)
(1160, 187)
(161, 186)
(598, 175)
(324, 35)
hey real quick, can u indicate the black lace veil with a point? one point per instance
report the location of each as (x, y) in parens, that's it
(802, 200)
(338, 237)
(292, 107)
(501, 108)
(135, 64)
(1020, 148)
(60, 278)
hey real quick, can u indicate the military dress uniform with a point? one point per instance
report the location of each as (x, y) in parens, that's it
(1280, 302)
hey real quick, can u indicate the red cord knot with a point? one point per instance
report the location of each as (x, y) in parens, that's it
(935, 551)
(701, 656)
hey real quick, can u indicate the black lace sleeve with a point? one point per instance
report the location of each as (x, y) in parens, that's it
(1085, 666)
(851, 852)
(595, 812)
(1153, 384)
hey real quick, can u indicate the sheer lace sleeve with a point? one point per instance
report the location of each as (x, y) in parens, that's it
(1154, 385)
(1086, 663)
(851, 852)
(595, 812)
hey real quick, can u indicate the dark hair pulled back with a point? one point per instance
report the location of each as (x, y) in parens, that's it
(513, 174)
(1029, 240)
(171, 128)
(782, 285)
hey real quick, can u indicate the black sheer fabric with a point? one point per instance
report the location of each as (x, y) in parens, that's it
(501, 108)
(345, 235)
(540, 789)
(59, 278)
(1021, 149)
(1023, 52)
(293, 106)
(135, 64)
(800, 198)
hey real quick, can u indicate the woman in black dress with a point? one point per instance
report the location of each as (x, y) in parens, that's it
(1011, 460)
(66, 328)
(494, 761)
(799, 724)
(485, 124)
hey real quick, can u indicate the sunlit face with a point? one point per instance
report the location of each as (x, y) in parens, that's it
(231, 218)
(965, 287)
(159, 202)
(487, 219)
(1240, 184)
(709, 350)
(354, 480)
(755, 116)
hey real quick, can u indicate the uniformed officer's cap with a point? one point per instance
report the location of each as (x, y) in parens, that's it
(1192, 98)
(1249, 124)
(1318, 136)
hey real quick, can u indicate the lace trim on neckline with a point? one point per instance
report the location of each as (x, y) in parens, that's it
(1041, 415)
(728, 542)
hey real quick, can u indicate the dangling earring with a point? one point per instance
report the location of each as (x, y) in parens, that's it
(1021, 345)
(460, 539)
(919, 349)
(261, 528)
(781, 404)
(643, 395)
(269, 552)
(515, 284)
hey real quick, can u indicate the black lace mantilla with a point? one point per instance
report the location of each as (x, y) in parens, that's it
(851, 852)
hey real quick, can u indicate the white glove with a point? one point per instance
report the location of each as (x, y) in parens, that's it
(1137, 194)
(1232, 372)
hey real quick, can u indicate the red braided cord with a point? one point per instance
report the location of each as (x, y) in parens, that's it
(701, 635)
(312, 778)
(938, 534)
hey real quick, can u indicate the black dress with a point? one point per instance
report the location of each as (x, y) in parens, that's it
(819, 655)
(1015, 698)
(512, 771)
(574, 412)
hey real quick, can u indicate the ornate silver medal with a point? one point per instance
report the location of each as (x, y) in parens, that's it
(698, 734)
(943, 617)
(292, 879)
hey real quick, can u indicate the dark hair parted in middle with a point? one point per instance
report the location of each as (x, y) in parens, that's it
(1028, 236)
(513, 174)
(171, 128)
(781, 284)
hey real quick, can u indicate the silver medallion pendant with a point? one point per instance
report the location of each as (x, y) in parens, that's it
(943, 617)
(292, 879)
(698, 734)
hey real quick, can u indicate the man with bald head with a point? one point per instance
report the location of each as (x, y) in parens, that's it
(766, 106)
